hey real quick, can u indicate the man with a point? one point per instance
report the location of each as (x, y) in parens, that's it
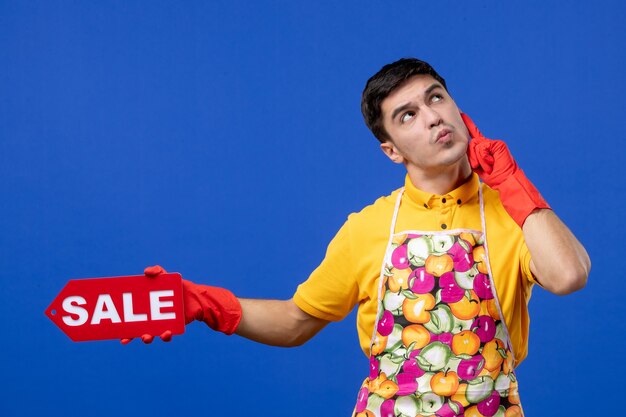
(441, 269)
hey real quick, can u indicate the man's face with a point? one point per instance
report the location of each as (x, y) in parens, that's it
(425, 126)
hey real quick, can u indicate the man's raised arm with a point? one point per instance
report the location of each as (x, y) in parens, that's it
(559, 262)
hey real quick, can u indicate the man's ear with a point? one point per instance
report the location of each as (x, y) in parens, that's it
(391, 151)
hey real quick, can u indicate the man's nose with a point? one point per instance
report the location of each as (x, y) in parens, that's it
(432, 117)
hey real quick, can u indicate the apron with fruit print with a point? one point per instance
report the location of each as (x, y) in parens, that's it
(440, 346)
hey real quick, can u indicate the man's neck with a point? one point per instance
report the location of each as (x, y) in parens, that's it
(441, 182)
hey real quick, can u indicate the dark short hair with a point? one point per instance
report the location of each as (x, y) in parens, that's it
(383, 83)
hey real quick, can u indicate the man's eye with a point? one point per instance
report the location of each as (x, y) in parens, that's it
(407, 116)
(436, 97)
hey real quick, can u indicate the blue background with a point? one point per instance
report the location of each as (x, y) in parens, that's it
(223, 140)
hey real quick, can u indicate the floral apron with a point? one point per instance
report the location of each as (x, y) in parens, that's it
(440, 346)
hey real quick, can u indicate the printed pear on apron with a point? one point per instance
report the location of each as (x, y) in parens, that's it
(440, 346)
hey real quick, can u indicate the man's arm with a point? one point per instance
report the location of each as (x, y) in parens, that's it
(559, 262)
(272, 322)
(277, 323)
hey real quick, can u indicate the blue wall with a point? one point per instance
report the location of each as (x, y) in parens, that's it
(223, 140)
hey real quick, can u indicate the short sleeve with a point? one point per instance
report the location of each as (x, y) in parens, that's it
(331, 291)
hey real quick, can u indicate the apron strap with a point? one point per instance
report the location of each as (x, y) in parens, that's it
(392, 228)
(490, 272)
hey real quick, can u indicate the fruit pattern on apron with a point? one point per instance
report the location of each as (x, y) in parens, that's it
(440, 346)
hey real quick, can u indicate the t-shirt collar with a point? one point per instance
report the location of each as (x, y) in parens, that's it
(459, 195)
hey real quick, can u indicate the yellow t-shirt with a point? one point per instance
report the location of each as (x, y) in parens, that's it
(350, 271)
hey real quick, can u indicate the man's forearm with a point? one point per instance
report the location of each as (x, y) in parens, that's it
(559, 261)
(277, 322)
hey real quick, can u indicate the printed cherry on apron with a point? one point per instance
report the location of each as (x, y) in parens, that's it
(440, 346)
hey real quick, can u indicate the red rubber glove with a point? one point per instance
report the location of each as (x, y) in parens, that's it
(495, 165)
(217, 307)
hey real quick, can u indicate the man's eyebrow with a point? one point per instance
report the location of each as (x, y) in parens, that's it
(400, 109)
(405, 106)
(431, 88)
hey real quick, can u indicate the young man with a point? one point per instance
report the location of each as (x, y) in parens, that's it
(441, 269)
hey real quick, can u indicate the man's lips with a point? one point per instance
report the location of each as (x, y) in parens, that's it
(443, 135)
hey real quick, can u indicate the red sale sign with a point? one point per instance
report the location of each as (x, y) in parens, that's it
(119, 307)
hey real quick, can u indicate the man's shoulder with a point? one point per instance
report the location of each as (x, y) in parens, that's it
(378, 211)
(497, 215)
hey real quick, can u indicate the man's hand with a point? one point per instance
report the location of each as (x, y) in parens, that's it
(166, 336)
(495, 165)
(490, 159)
(217, 307)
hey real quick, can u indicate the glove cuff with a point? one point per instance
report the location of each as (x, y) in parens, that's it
(520, 197)
(217, 307)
